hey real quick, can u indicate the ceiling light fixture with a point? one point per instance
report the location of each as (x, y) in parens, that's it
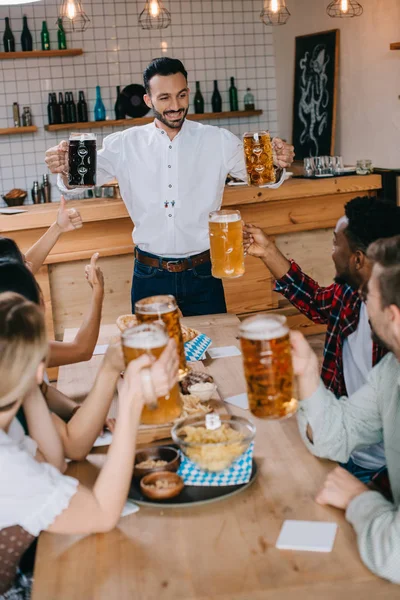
(274, 12)
(154, 15)
(343, 9)
(73, 16)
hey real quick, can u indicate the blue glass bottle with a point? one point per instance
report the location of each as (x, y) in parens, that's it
(99, 108)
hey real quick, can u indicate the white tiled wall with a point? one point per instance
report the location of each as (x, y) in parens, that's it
(214, 39)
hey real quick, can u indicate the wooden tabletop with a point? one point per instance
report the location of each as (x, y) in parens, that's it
(222, 551)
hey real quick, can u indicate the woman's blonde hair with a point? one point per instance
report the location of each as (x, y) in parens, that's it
(23, 345)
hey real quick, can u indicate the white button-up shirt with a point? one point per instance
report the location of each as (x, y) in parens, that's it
(169, 187)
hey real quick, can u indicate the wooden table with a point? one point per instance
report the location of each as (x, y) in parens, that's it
(223, 551)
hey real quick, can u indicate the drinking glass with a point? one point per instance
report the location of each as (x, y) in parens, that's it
(226, 243)
(259, 158)
(82, 159)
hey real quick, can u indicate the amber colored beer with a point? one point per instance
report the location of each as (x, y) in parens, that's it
(226, 244)
(152, 339)
(164, 308)
(267, 362)
(259, 158)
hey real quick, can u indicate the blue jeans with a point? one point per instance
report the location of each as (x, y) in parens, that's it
(196, 291)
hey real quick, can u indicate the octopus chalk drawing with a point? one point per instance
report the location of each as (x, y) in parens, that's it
(314, 97)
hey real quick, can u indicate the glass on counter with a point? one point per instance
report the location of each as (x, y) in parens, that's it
(259, 158)
(82, 160)
(364, 167)
(226, 243)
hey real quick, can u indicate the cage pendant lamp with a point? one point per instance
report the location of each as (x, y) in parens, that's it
(274, 12)
(154, 15)
(73, 16)
(344, 9)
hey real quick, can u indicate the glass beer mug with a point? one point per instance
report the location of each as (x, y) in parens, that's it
(226, 243)
(152, 338)
(268, 370)
(259, 158)
(165, 309)
(82, 159)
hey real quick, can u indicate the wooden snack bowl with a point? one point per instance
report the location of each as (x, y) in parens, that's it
(159, 493)
(167, 453)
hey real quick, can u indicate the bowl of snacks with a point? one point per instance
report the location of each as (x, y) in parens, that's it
(213, 449)
(154, 460)
(15, 197)
(192, 378)
(203, 390)
(161, 486)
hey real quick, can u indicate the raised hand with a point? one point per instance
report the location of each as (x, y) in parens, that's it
(340, 488)
(68, 219)
(114, 357)
(94, 275)
(283, 153)
(56, 158)
(255, 241)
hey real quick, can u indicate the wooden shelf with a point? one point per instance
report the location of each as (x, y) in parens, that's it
(41, 53)
(145, 120)
(395, 46)
(18, 130)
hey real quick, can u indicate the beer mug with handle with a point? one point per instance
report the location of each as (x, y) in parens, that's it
(259, 158)
(226, 243)
(267, 361)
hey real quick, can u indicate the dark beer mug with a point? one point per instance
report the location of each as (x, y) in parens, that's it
(82, 160)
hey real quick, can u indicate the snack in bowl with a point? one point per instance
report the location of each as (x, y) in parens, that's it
(213, 449)
(161, 486)
(192, 378)
(126, 321)
(193, 405)
(204, 390)
(158, 458)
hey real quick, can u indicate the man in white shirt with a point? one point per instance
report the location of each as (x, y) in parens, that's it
(171, 174)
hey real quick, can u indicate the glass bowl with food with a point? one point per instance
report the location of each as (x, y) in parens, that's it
(213, 446)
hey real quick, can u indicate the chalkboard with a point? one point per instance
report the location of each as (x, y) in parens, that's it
(315, 94)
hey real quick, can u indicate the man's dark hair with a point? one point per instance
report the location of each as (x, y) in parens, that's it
(369, 220)
(15, 277)
(386, 253)
(162, 66)
(9, 250)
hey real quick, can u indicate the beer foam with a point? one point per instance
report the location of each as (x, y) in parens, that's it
(264, 327)
(224, 218)
(142, 337)
(159, 306)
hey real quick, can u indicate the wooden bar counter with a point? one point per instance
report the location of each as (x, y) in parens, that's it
(300, 215)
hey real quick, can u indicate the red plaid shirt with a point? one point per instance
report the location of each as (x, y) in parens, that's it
(337, 306)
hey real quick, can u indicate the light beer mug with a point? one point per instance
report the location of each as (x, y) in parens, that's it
(165, 309)
(268, 370)
(152, 339)
(226, 243)
(259, 158)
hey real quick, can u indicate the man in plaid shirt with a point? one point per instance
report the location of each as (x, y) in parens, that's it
(349, 352)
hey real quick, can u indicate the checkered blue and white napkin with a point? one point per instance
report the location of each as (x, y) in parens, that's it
(195, 349)
(238, 473)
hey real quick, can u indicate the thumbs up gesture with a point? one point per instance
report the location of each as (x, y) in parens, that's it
(68, 219)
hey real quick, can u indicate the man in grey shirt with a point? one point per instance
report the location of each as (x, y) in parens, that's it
(334, 429)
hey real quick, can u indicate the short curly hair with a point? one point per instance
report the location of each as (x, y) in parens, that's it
(370, 219)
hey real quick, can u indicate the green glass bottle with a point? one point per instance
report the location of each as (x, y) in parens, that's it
(198, 100)
(45, 37)
(62, 40)
(233, 96)
(8, 38)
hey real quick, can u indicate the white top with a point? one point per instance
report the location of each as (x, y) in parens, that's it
(169, 188)
(32, 494)
(357, 363)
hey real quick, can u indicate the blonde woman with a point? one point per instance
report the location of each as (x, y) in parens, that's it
(34, 495)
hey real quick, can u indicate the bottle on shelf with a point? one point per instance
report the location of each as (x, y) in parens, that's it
(52, 110)
(119, 108)
(72, 108)
(27, 117)
(26, 36)
(83, 116)
(36, 193)
(46, 189)
(216, 100)
(16, 117)
(198, 100)
(233, 96)
(57, 114)
(249, 100)
(61, 38)
(45, 37)
(67, 108)
(62, 109)
(8, 37)
(99, 108)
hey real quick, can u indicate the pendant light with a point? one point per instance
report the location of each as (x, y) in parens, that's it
(343, 9)
(73, 16)
(274, 12)
(154, 15)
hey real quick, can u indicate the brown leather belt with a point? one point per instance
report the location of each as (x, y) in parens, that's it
(175, 265)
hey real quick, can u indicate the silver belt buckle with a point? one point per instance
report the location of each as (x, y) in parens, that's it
(172, 262)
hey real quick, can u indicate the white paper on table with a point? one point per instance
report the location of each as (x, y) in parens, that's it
(241, 401)
(312, 536)
(129, 508)
(104, 439)
(223, 352)
(12, 211)
(100, 349)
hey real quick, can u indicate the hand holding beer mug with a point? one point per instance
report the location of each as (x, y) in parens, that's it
(82, 159)
(226, 243)
(259, 158)
(159, 383)
(164, 309)
(268, 369)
